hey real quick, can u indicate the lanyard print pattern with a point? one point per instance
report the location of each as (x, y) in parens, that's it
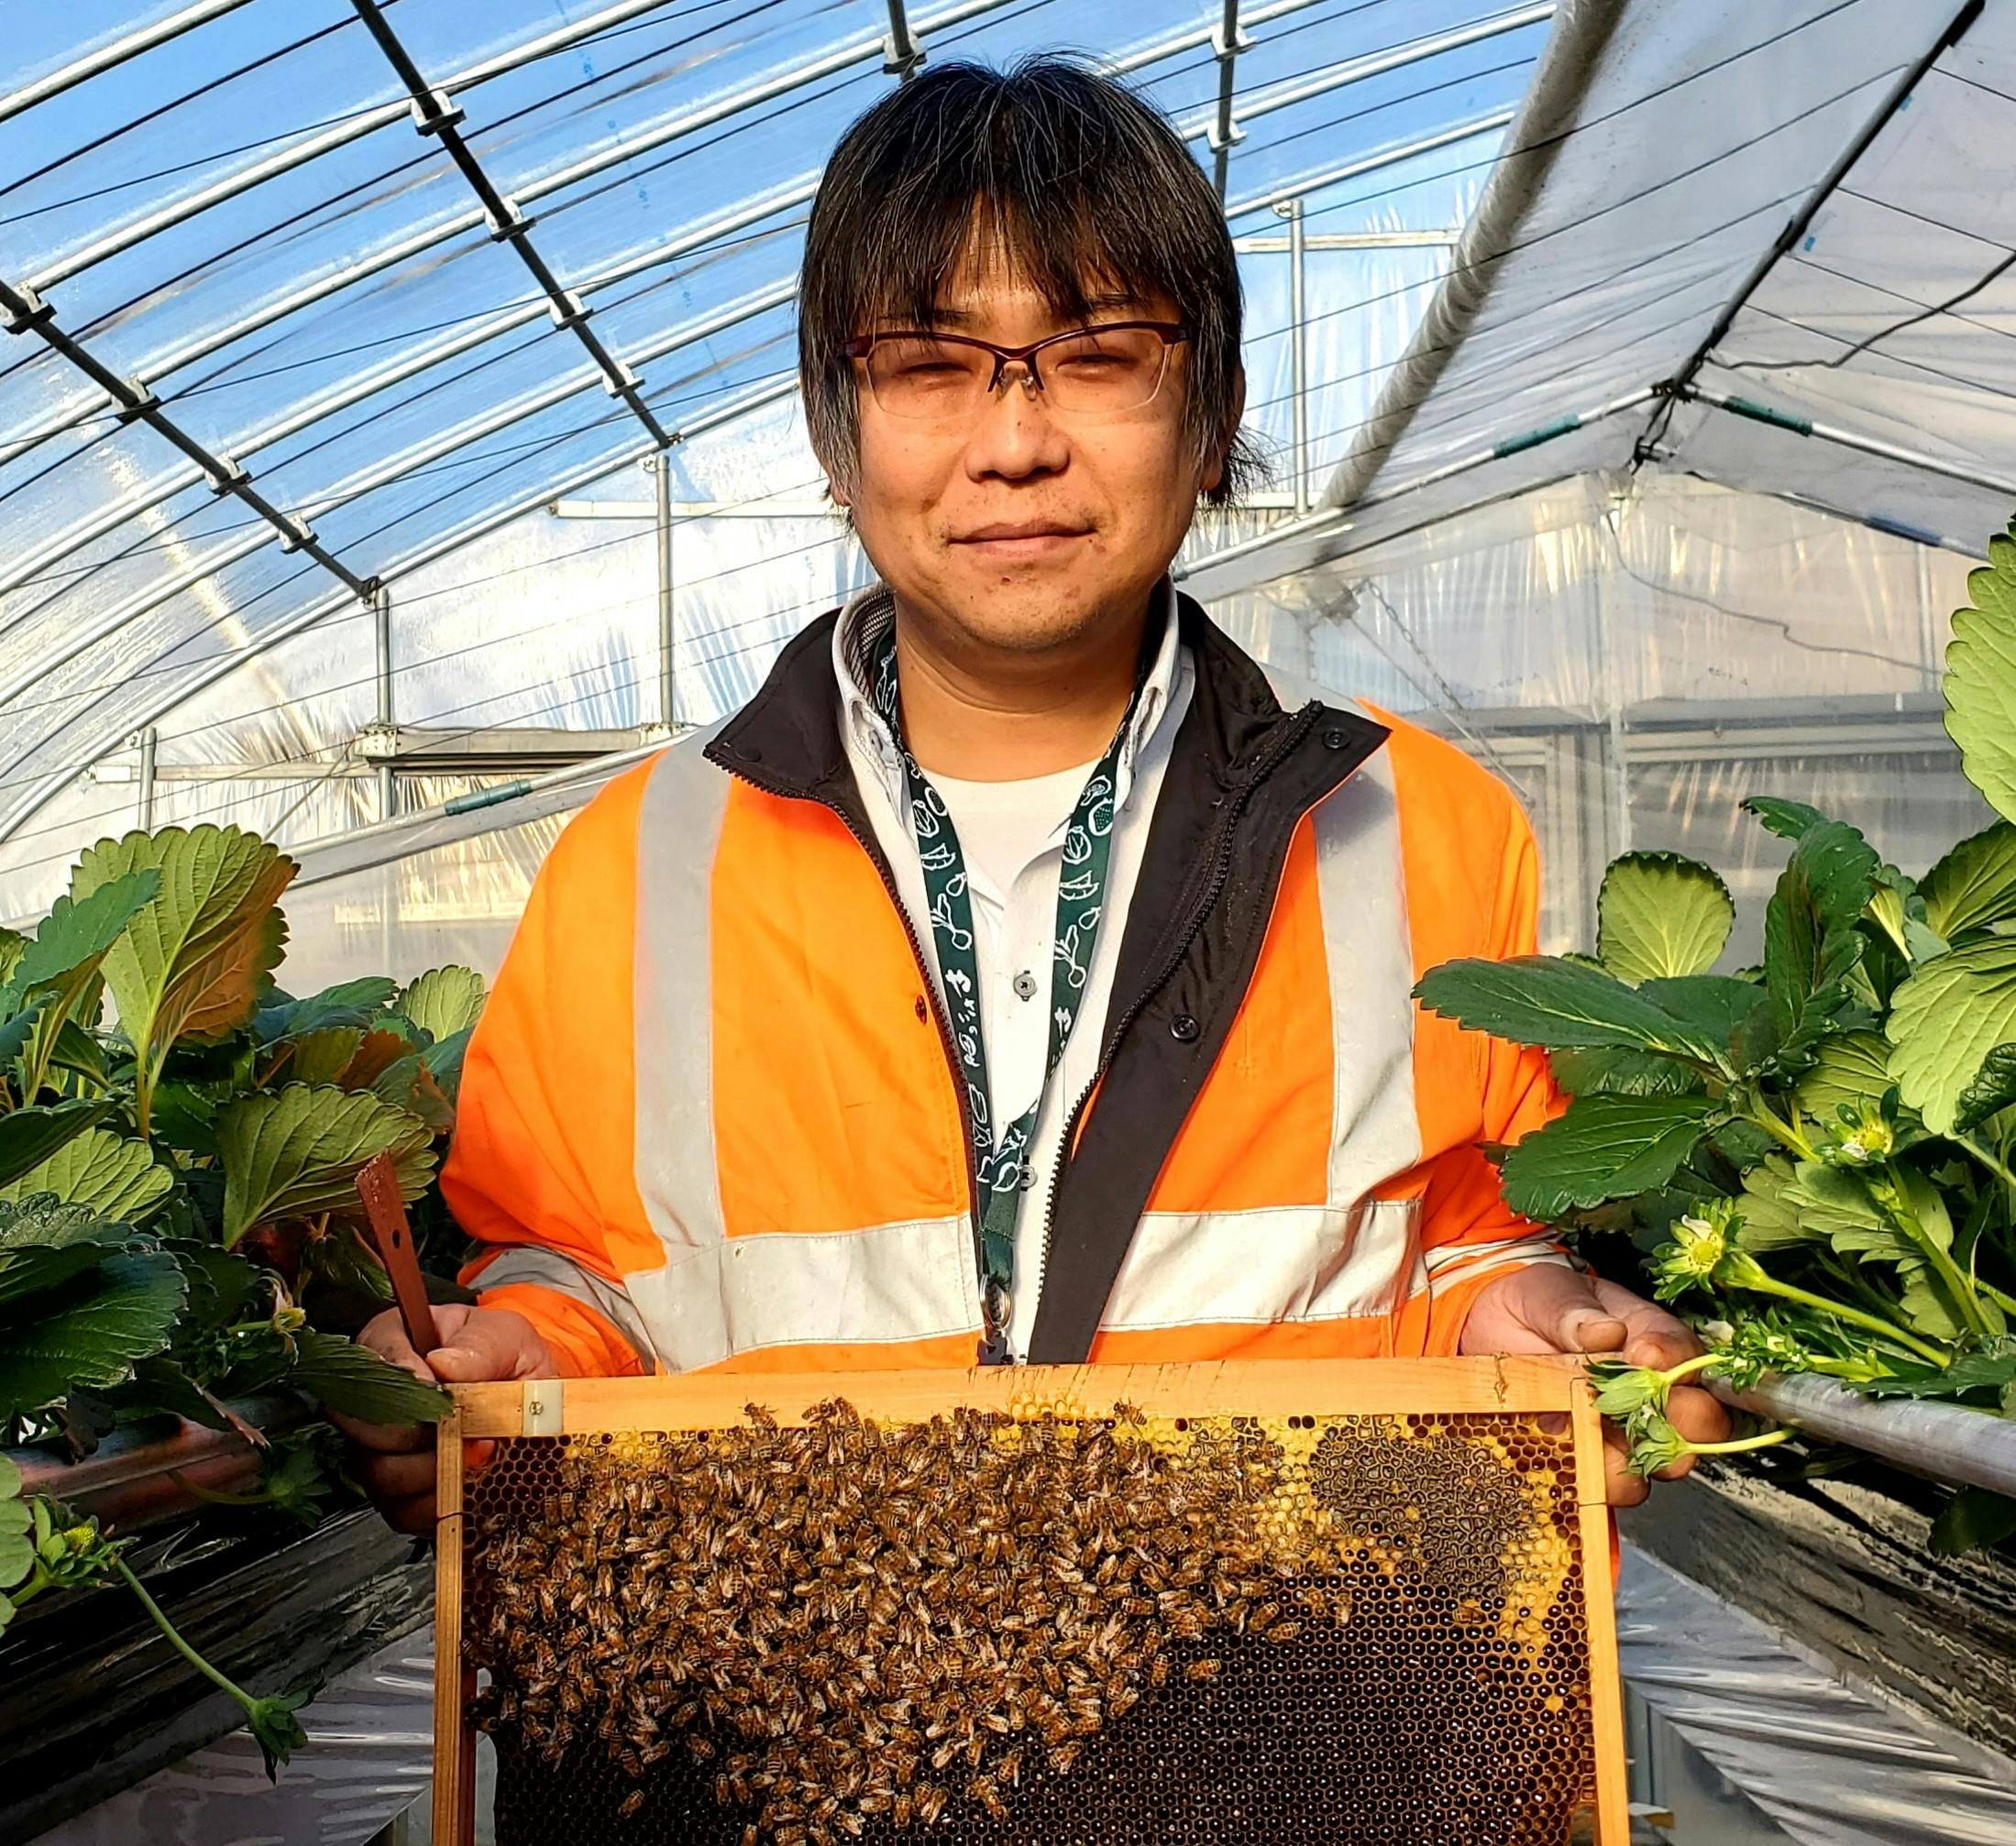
(1001, 1163)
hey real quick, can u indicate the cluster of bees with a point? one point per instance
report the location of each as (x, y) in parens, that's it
(845, 1627)
(1443, 1502)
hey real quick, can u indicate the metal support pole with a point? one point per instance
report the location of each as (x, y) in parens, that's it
(150, 742)
(1298, 336)
(1223, 131)
(381, 634)
(904, 54)
(1928, 631)
(668, 695)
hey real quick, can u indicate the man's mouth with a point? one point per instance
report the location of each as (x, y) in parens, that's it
(1031, 538)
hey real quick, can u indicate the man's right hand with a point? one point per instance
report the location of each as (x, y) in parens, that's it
(393, 1463)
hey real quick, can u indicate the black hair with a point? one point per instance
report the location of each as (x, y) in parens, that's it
(1074, 182)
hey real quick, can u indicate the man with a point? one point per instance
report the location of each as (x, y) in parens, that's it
(1023, 974)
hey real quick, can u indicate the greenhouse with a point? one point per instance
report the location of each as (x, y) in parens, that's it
(411, 443)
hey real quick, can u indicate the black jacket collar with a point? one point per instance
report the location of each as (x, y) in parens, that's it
(787, 738)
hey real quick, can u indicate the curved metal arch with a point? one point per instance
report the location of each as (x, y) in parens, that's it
(433, 553)
(154, 596)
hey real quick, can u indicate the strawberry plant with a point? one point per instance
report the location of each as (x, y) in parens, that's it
(179, 1142)
(1819, 1153)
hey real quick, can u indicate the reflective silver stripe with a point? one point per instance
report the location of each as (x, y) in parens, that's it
(679, 829)
(549, 1269)
(886, 1283)
(1287, 1263)
(1455, 1260)
(1376, 1133)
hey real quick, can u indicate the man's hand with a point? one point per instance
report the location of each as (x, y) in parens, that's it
(1544, 1308)
(393, 1463)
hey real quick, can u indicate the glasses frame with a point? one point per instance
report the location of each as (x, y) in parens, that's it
(1173, 334)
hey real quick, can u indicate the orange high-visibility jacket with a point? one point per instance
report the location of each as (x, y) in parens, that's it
(712, 1116)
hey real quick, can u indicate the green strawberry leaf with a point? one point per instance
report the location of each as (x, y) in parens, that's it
(1945, 1020)
(1980, 682)
(443, 1002)
(28, 1136)
(298, 1152)
(1562, 1004)
(1990, 1091)
(1604, 1147)
(1788, 819)
(1660, 915)
(86, 1334)
(355, 1381)
(191, 964)
(1974, 886)
(1811, 943)
(117, 1178)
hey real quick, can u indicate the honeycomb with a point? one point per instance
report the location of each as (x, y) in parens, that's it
(1034, 1624)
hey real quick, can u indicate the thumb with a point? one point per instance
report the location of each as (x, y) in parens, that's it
(490, 1344)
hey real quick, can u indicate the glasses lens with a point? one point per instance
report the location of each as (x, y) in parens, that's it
(927, 378)
(1103, 372)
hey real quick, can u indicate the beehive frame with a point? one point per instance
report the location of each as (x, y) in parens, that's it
(1472, 1388)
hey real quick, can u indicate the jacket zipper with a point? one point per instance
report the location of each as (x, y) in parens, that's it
(945, 1044)
(1292, 734)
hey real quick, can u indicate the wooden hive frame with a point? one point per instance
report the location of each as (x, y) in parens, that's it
(1437, 1387)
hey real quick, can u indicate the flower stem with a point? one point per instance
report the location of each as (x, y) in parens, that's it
(175, 1640)
(1741, 1443)
(1687, 1367)
(1770, 1285)
(1998, 1168)
(1762, 1116)
(1936, 1254)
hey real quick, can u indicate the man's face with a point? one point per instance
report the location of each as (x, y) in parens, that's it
(1024, 530)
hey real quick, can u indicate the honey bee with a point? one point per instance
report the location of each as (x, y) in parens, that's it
(1200, 1672)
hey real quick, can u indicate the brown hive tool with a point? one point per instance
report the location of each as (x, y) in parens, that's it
(391, 1237)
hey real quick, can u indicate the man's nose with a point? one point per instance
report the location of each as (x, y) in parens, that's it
(1015, 434)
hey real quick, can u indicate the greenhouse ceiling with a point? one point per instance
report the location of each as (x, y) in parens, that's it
(304, 297)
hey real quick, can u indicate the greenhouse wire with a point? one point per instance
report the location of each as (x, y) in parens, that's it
(645, 678)
(1857, 348)
(1656, 186)
(124, 237)
(1429, 179)
(1384, 295)
(355, 493)
(406, 603)
(110, 56)
(437, 119)
(465, 461)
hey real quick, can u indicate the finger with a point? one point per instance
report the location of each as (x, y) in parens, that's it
(415, 1515)
(385, 1438)
(387, 1477)
(1561, 1307)
(1652, 1336)
(1621, 1487)
(489, 1345)
(1698, 1415)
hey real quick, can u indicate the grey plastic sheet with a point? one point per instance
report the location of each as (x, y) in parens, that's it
(369, 1757)
(1833, 1765)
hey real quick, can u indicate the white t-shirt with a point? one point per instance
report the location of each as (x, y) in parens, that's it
(1011, 834)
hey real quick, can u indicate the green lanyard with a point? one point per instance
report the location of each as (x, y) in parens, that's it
(1081, 895)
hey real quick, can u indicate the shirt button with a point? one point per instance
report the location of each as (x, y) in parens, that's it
(1184, 1028)
(1025, 985)
(1335, 738)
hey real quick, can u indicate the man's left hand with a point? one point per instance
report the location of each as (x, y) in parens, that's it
(1544, 1308)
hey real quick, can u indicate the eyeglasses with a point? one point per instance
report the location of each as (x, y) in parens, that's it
(945, 378)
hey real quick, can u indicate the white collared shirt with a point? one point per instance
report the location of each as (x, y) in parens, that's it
(1012, 867)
